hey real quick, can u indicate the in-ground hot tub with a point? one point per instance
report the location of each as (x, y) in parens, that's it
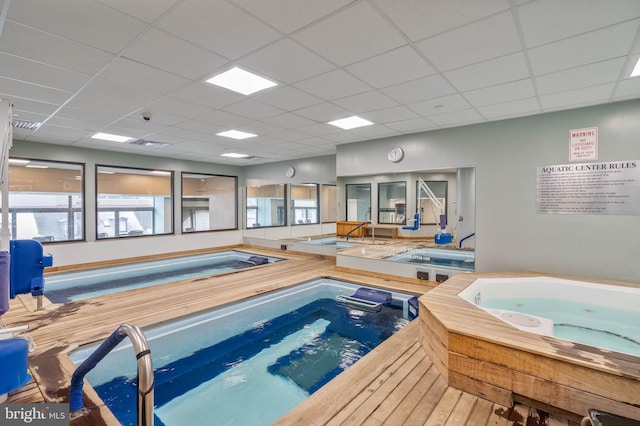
(480, 353)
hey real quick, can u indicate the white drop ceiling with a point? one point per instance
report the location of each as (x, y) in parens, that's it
(86, 66)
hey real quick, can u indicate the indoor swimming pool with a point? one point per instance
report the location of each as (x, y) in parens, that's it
(272, 352)
(329, 241)
(599, 315)
(73, 286)
(456, 259)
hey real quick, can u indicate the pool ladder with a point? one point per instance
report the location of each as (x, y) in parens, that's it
(145, 373)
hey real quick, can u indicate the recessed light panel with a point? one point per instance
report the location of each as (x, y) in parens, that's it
(636, 70)
(236, 134)
(241, 81)
(234, 155)
(111, 138)
(350, 122)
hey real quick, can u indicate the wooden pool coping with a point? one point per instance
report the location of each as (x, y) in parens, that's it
(478, 353)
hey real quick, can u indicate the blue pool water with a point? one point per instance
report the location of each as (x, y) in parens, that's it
(595, 325)
(329, 241)
(69, 287)
(456, 259)
(251, 362)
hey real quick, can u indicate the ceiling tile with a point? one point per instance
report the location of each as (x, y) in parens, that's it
(457, 118)
(333, 85)
(419, 18)
(166, 52)
(511, 109)
(440, 106)
(482, 40)
(217, 26)
(394, 67)
(224, 118)
(21, 69)
(114, 91)
(604, 44)
(145, 10)
(16, 88)
(40, 46)
(588, 75)
(501, 93)
(323, 112)
(178, 107)
(420, 89)
(390, 115)
(290, 121)
(207, 95)
(286, 97)
(564, 19)
(495, 71)
(411, 125)
(88, 21)
(628, 89)
(142, 76)
(298, 13)
(351, 35)
(286, 61)
(253, 109)
(367, 101)
(577, 97)
(22, 104)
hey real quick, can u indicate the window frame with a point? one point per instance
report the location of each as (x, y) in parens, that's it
(110, 169)
(70, 211)
(182, 202)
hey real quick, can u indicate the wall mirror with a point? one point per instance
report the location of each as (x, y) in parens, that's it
(399, 216)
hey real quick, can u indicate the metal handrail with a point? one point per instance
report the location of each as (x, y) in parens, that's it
(356, 228)
(145, 373)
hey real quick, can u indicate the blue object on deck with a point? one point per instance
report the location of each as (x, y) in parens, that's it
(443, 238)
(5, 261)
(367, 299)
(258, 260)
(14, 360)
(416, 223)
(413, 307)
(27, 267)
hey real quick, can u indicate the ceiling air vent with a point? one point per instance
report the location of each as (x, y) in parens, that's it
(150, 144)
(27, 125)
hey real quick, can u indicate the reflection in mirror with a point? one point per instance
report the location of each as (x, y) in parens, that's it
(429, 211)
(358, 202)
(329, 204)
(415, 212)
(133, 202)
(392, 202)
(208, 202)
(266, 205)
(304, 204)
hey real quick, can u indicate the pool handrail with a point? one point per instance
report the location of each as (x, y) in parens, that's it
(145, 373)
(465, 238)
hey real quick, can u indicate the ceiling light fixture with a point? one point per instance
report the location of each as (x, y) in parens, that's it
(236, 134)
(111, 138)
(18, 161)
(234, 155)
(241, 81)
(350, 122)
(636, 69)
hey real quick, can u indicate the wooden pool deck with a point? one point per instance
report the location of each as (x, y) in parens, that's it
(396, 384)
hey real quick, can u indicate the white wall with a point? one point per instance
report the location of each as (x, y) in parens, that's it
(510, 235)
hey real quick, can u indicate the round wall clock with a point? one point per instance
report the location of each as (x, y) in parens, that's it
(290, 172)
(395, 154)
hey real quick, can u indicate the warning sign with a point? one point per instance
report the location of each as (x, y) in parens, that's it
(583, 144)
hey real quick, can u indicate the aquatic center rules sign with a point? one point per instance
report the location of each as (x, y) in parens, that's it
(593, 188)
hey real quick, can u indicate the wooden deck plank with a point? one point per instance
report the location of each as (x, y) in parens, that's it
(397, 383)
